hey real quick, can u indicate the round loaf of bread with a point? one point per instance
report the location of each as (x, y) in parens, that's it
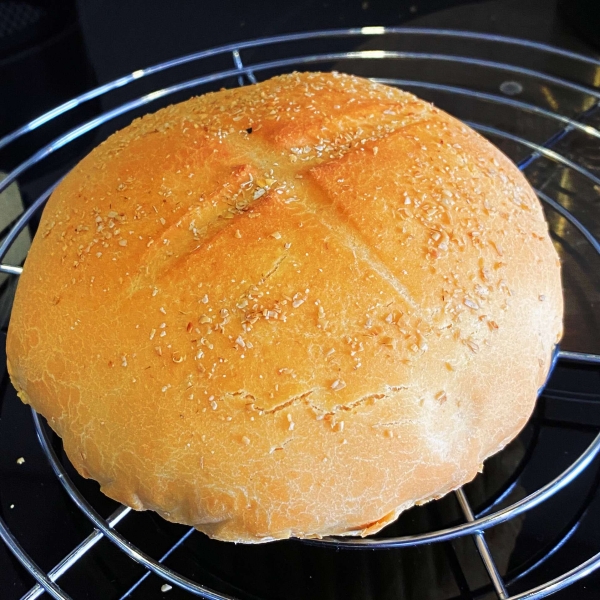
(291, 309)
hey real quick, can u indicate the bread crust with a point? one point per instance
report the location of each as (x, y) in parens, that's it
(291, 309)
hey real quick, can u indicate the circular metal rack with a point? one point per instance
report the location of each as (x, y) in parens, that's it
(463, 76)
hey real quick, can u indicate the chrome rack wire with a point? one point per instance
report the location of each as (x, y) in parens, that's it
(474, 525)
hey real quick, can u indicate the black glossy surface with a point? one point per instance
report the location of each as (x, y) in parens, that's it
(120, 37)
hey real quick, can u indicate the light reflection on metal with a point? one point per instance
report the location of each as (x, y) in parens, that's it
(549, 97)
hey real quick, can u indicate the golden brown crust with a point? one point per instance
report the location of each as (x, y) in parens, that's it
(292, 309)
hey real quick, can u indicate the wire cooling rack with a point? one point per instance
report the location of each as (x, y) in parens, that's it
(536, 102)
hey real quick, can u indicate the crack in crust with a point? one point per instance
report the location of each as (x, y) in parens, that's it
(389, 392)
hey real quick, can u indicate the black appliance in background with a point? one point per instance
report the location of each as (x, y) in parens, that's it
(54, 50)
(43, 63)
(584, 17)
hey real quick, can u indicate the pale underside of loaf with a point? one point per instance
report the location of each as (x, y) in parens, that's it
(292, 309)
